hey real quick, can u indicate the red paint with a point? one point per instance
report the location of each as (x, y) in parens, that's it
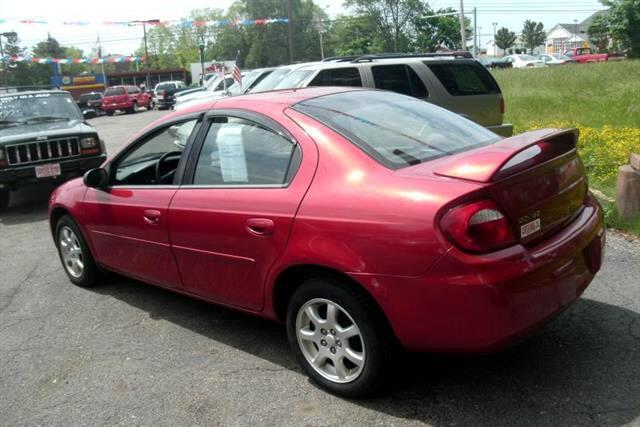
(382, 228)
(126, 100)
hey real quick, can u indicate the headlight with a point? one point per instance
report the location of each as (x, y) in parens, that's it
(89, 142)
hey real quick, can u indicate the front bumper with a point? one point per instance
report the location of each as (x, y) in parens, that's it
(12, 178)
(483, 303)
(505, 129)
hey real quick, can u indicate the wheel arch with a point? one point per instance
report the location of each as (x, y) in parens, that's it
(55, 215)
(294, 276)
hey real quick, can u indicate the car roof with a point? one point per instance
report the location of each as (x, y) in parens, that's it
(399, 60)
(33, 92)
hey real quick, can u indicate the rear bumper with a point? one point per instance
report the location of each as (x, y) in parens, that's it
(483, 303)
(119, 106)
(13, 178)
(505, 129)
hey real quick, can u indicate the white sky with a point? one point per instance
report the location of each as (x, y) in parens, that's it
(124, 40)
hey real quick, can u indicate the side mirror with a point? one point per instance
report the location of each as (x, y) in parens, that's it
(96, 178)
(89, 114)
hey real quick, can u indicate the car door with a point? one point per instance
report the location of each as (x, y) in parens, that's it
(127, 221)
(232, 220)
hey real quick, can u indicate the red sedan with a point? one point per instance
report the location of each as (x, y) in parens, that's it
(360, 218)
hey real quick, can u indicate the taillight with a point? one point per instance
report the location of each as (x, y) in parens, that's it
(477, 227)
(501, 105)
(529, 65)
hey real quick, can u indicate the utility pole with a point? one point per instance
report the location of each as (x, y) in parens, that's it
(462, 32)
(146, 49)
(479, 40)
(475, 32)
(494, 37)
(290, 27)
(104, 76)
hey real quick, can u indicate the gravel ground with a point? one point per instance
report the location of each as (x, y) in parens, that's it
(126, 353)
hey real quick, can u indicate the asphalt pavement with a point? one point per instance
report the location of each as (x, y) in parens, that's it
(127, 353)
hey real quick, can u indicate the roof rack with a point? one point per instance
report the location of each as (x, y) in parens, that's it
(371, 56)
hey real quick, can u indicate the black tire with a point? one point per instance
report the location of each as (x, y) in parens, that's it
(110, 113)
(374, 333)
(134, 108)
(4, 200)
(89, 274)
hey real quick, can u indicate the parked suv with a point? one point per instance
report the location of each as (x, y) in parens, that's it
(124, 98)
(454, 81)
(43, 138)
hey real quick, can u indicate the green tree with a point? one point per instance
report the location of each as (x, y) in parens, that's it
(505, 39)
(435, 31)
(599, 32)
(533, 34)
(624, 21)
(353, 36)
(394, 19)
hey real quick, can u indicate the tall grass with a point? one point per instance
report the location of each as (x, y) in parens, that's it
(592, 95)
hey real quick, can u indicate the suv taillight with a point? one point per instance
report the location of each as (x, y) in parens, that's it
(477, 227)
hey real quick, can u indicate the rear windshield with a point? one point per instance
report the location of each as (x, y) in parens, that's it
(165, 86)
(113, 91)
(396, 130)
(463, 79)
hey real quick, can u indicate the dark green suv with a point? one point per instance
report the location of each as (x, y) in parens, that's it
(44, 138)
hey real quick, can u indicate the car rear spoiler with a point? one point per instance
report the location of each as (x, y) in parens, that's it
(509, 156)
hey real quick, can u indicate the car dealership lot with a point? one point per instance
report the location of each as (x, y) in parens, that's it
(129, 353)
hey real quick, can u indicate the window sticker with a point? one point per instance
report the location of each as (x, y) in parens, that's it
(233, 163)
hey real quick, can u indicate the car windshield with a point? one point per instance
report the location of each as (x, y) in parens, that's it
(293, 79)
(247, 80)
(396, 130)
(272, 80)
(113, 91)
(20, 108)
(212, 81)
(165, 86)
(560, 56)
(528, 58)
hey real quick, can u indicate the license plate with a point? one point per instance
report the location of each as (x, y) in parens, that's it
(529, 228)
(44, 171)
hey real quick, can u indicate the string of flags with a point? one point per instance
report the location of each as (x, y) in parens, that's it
(183, 23)
(105, 60)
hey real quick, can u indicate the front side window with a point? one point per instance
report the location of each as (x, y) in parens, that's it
(349, 76)
(396, 130)
(240, 152)
(138, 166)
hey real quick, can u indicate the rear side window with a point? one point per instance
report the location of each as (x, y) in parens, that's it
(113, 91)
(396, 130)
(133, 89)
(338, 77)
(463, 79)
(399, 78)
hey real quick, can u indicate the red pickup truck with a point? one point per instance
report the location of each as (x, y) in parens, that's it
(584, 55)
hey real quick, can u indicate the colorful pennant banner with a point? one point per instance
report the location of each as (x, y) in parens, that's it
(105, 60)
(184, 23)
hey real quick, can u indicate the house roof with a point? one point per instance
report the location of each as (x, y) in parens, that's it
(582, 27)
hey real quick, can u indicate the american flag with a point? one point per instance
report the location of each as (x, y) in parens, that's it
(237, 76)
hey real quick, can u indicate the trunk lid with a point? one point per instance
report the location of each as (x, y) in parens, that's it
(536, 178)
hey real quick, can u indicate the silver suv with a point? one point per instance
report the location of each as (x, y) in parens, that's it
(454, 81)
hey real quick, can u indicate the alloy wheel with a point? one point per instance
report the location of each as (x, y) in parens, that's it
(71, 251)
(330, 340)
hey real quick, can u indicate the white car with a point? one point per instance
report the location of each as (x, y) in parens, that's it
(212, 85)
(524, 61)
(555, 59)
